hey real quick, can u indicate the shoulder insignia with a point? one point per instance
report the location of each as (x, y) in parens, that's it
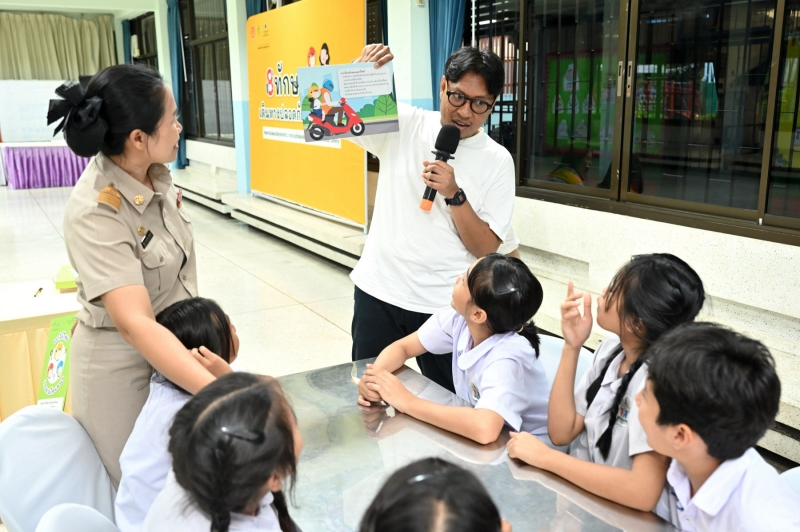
(111, 197)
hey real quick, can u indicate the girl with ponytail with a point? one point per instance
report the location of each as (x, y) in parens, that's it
(495, 347)
(233, 445)
(610, 456)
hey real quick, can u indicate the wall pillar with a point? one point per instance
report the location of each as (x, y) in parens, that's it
(237, 39)
(409, 39)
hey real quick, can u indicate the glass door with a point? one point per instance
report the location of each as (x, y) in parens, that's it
(576, 71)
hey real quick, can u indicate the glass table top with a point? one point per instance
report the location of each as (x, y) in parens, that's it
(349, 452)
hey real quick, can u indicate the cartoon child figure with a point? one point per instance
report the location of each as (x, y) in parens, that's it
(312, 57)
(60, 369)
(313, 98)
(51, 373)
(58, 352)
(324, 55)
(328, 105)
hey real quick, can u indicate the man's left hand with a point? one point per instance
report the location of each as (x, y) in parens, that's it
(441, 177)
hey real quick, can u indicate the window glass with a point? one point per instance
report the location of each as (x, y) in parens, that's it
(224, 95)
(783, 196)
(571, 89)
(702, 82)
(208, 89)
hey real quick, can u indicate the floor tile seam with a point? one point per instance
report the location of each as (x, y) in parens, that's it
(45, 213)
(348, 333)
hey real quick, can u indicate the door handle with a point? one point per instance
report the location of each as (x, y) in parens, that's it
(620, 68)
(629, 83)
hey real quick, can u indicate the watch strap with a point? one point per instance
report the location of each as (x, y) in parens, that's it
(458, 199)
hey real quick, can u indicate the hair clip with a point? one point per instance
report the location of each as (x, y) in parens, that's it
(419, 478)
(507, 291)
(253, 436)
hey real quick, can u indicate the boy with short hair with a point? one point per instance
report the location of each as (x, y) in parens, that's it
(711, 394)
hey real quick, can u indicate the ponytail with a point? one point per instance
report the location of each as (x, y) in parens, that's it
(220, 485)
(531, 333)
(282, 509)
(604, 441)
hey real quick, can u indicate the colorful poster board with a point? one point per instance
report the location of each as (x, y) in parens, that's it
(328, 177)
(54, 382)
(348, 101)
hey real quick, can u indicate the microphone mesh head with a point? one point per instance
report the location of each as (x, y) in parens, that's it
(448, 138)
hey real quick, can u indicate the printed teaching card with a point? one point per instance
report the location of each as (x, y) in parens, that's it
(348, 100)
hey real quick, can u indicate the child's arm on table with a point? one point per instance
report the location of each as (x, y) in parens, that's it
(478, 424)
(391, 359)
(563, 421)
(639, 488)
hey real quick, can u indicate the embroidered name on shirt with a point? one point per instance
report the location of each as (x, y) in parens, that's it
(624, 410)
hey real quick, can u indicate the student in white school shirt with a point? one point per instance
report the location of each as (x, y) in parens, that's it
(145, 461)
(610, 457)
(711, 394)
(233, 446)
(495, 350)
(412, 257)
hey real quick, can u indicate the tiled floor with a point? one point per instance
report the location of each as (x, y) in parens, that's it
(292, 309)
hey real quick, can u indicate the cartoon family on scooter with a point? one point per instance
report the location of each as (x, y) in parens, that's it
(326, 116)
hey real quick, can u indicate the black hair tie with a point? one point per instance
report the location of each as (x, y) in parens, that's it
(83, 127)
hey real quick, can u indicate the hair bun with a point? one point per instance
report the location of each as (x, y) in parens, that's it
(84, 129)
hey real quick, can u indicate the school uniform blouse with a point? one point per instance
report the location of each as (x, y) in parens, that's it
(628, 437)
(173, 510)
(145, 461)
(501, 374)
(744, 494)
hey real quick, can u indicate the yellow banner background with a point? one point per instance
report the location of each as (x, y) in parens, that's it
(327, 179)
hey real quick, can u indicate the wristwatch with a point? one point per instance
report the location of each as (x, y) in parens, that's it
(459, 199)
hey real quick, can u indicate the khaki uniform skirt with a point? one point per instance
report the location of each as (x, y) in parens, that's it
(110, 382)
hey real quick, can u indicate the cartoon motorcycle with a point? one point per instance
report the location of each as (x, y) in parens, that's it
(319, 129)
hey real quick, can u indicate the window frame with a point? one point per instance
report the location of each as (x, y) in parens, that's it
(136, 29)
(756, 224)
(194, 44)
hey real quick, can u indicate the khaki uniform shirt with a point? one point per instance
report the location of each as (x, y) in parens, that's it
(104, 243)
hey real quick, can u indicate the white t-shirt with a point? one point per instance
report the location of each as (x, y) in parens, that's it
(145, 460)
(412, 258)
(501, 374)
(628, 437)
(174, 511)
(743, 495)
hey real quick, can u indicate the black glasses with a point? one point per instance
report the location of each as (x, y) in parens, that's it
(457, 99)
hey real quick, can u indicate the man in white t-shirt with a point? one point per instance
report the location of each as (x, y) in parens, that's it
(412, 257)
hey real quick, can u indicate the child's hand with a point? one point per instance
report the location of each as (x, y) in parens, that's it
(365, 395)
(213, 363)
(528, 448)
(576, 328)
(388, 386)
(505, 526)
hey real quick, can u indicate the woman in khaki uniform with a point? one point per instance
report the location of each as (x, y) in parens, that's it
(130, 240)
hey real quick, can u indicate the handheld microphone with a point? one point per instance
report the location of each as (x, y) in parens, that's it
(446, 144)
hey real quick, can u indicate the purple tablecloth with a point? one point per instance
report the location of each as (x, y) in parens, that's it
(42, 167)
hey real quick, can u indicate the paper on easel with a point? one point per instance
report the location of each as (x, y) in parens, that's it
(55, 373)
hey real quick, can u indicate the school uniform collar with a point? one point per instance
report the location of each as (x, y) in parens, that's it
(717, 490)
(471, 355)
(134, 192)
(613, 370)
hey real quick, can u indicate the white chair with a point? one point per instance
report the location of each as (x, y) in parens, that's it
(550, 355)
(72, 517)
(792, 479)
(46, 458)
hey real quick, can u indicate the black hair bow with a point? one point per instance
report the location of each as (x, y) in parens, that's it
(83, 127)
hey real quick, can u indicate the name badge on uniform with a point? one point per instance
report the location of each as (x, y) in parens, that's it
(146, 239)
(624, 410)
(476, 394)
(180, 198)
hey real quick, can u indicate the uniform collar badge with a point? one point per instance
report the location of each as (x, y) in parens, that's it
(180, 198)
(110, 196)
